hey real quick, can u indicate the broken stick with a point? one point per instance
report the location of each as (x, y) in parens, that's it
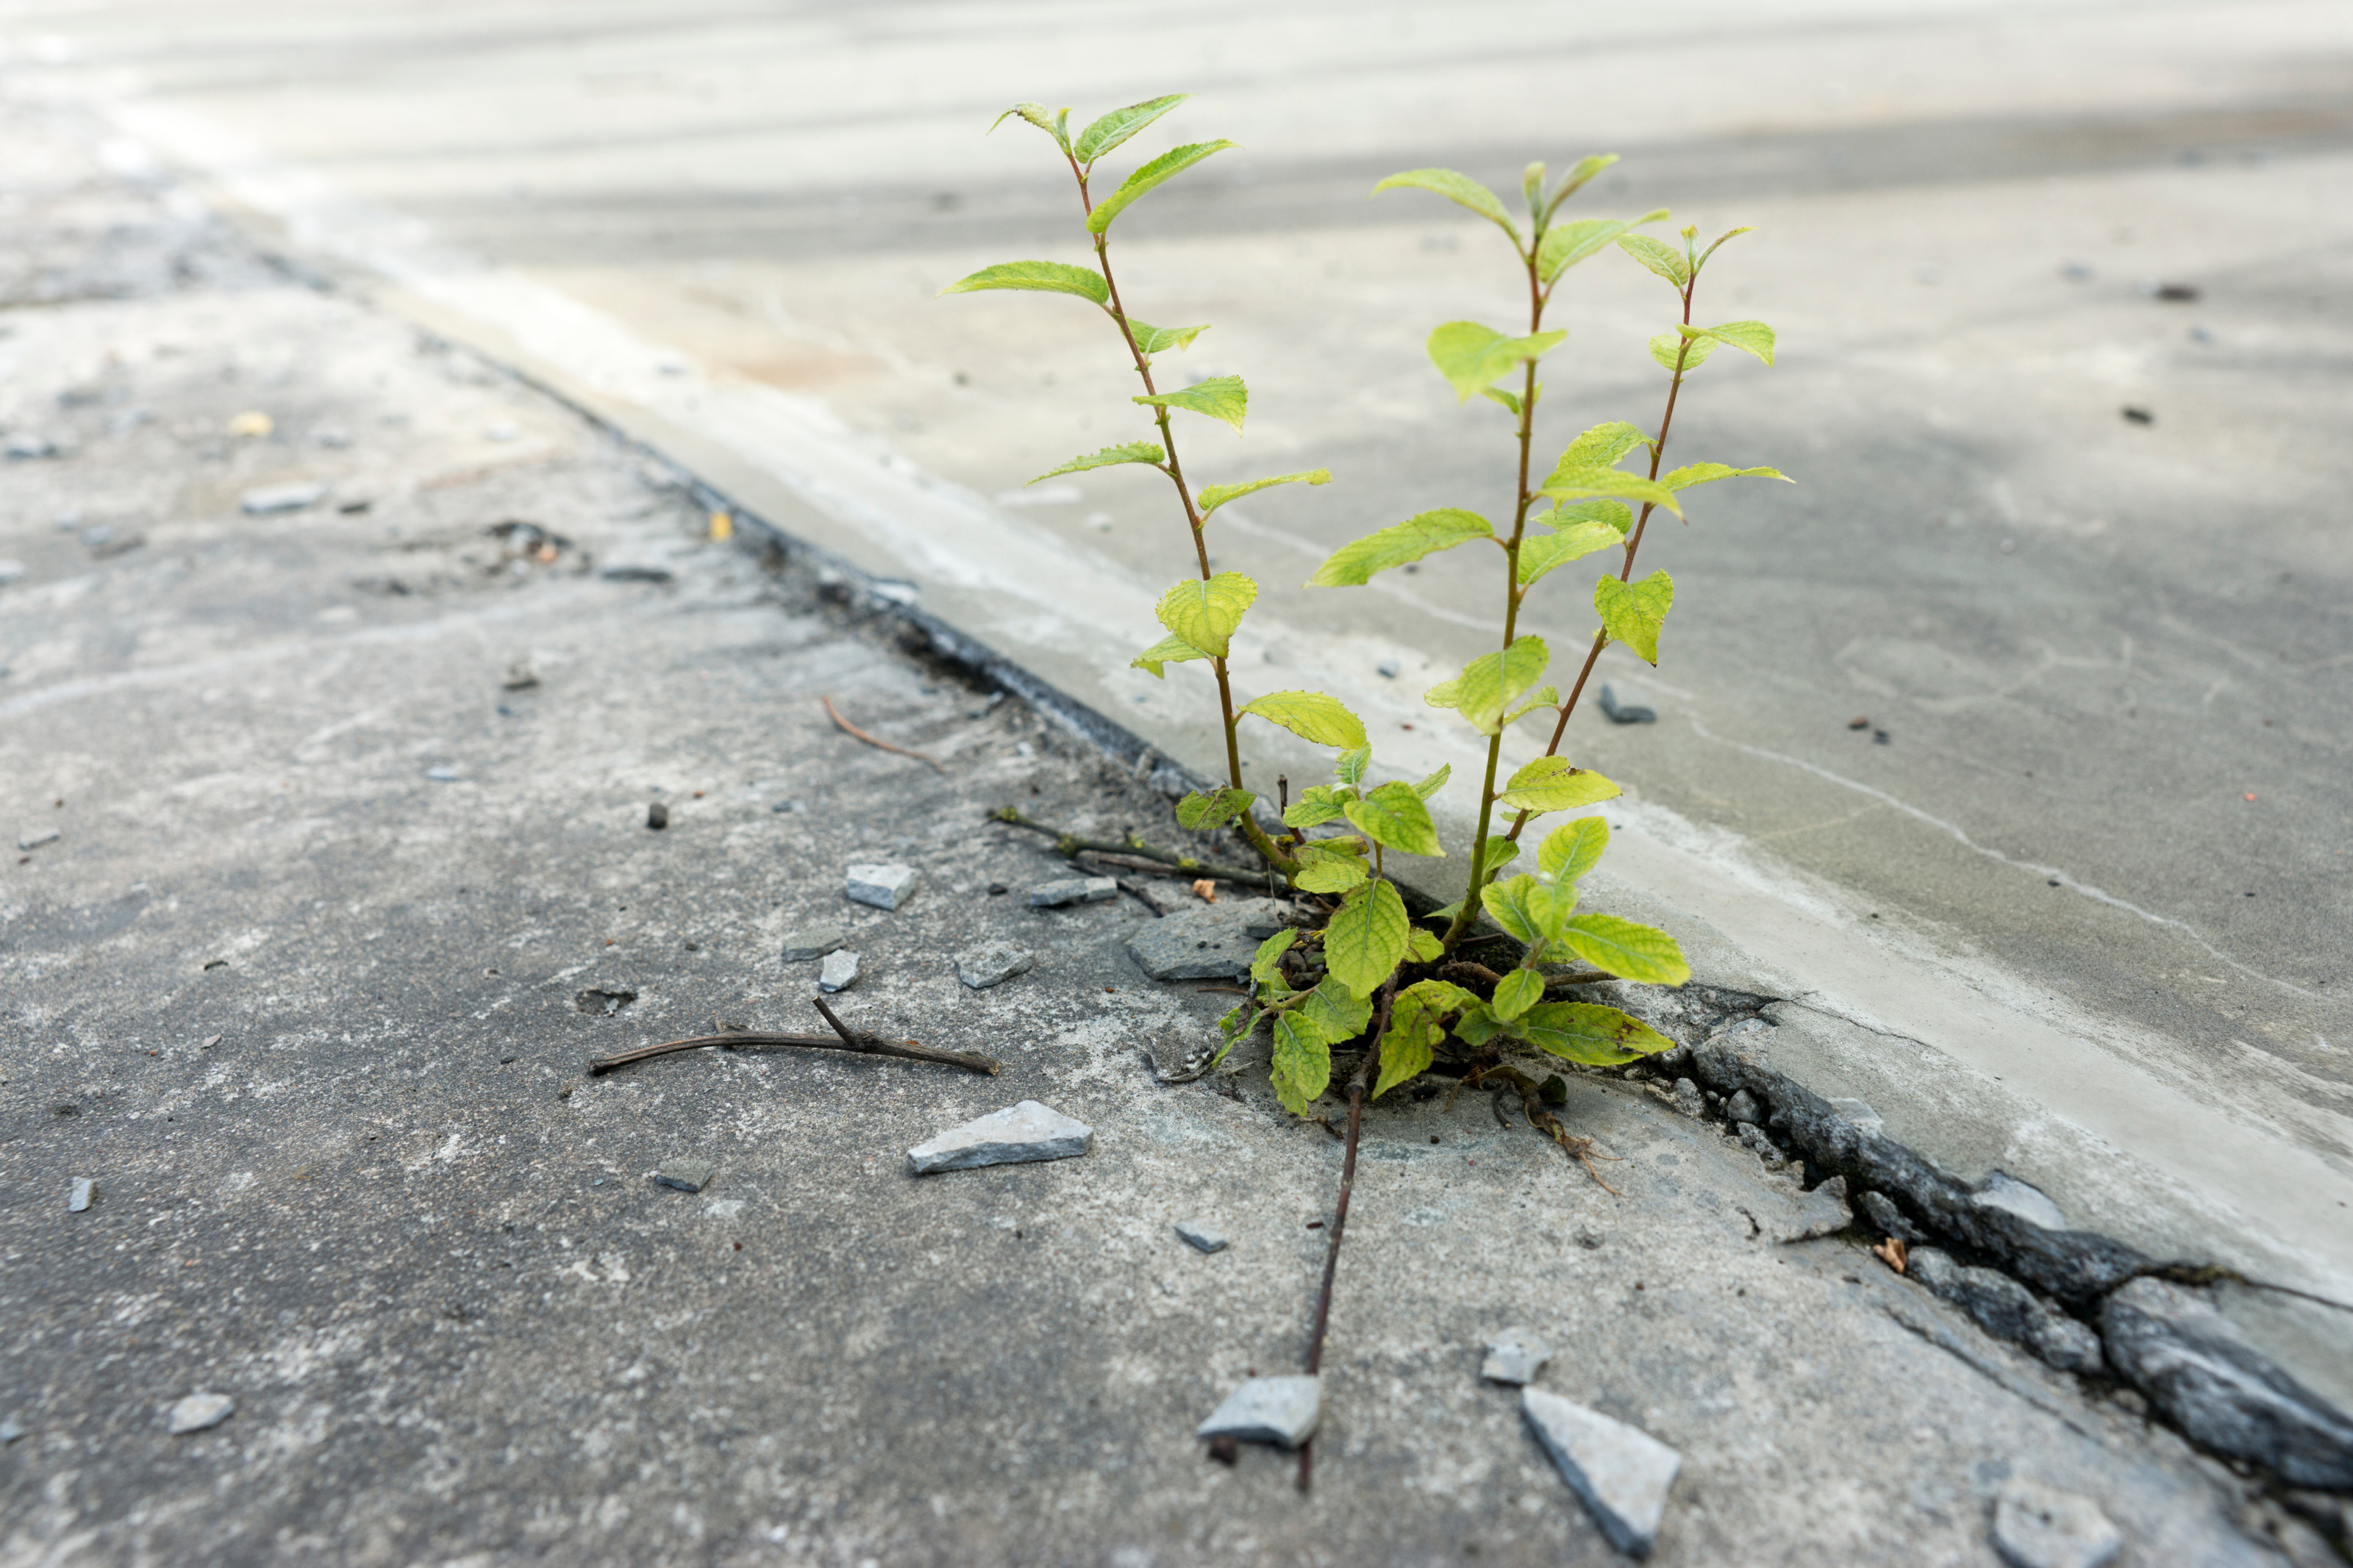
(843, 1038)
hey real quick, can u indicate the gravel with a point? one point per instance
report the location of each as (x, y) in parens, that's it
(687, 1175)
(884, 885)
(2007, 1309)
(839, 974)
(812, 941)
(1009, 1137)
(1514, 1357)
(1203, 1234)
(1074, 891)
(270, 499)
(198, 1413)
(1280, 1410)
(78, 1197)
(1619, 1473)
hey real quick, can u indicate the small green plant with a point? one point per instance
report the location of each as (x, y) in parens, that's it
(1371, 978)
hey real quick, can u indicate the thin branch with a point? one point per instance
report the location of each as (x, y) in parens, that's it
(1069, 843)
(835, 715)
(861, 1042)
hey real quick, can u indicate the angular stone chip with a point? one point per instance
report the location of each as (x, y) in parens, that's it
(1619, 1473)
(1281, 1410)
(1021, 1132)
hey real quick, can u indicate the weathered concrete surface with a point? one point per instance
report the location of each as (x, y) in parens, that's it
(320, 1021)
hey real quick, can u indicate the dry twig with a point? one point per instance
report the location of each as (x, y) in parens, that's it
(835, 715)
(843, 1038)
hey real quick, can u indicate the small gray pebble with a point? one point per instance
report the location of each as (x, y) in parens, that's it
(839, 974)
(812, 941)
(686, 1175)
(199, 1413)
(36, 838)
(885, 886)
(1203, 1234)
(78, 1197)
(2036, 1526)
(992, 963)
(1074, 891)
(1743, 1106)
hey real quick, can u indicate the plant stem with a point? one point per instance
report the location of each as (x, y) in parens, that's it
(1067, 843)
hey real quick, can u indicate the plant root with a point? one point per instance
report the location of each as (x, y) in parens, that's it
(835, 715)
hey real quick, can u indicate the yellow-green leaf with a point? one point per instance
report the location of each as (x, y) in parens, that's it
(1349, 767)
(1120, 124)
(1460, 189)
(1579, 483)
(1354, 564)
(1365, 939)
(1681, 354)
(1626, 948)
(1749, 337)
(1263, 966)
(1125, 452)
(1323, 867)
(1302, 1062)
(1153, 339)
(1207, 811)
(1311, 716)
(1566, 244)
(1423, 946)
(1546, 551)
(1167, 650)
(1050, 277)
(1542, 697)
(1220, 397)
(1574, 181)
(1039, 116)
(1573, 848)
(1320, 803)
(1553, 783)
(1660, 258)
(1589, 1033)
(1205, 614)
(1407, 1051)
(1632, 613)
(1338, 1013)
(1521, 905)
(1212, 497)
(1431, 784)
(1471, 356)
(1489, 682)
(1516, 992)
(1692, 474)
(1393, 816)
(1603, 446)
(1729, 234)
(1151, 176)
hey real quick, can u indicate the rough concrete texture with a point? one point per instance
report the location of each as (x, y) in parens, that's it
(2036, 1526)
(315, 1024)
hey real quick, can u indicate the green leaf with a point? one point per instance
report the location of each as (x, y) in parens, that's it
(1338, 1014)
(1749, 337)
(1585, 1032)
(1120, 124)
(1302, 1062)
(1349, 767)
(1037, 115)
(1365, 938)
(1681, 354)
(1568, 514)
(1318, 805)
(1311, 716)
(1521, 905)
(1603, 446)
(1554, 784)
(1626, 948)
(1573, 848)
(1510, 400)
(1125, 452)
(1167, 650)
(1516, 992)
(1542, 697)
(1489, 681)
(1207, 811)
(1220, 397)
(1160, 339)
(1574, 181)
(1579, 483)
(1206, 614)
(1417, 1022)
(1460, 189)
(1393, 816)
(1263, 967)
(1731, 234)
(1632, 613)
(1473, 357)
(1212, 497)
(1051, 276)
(1501, 852)
(1424, 533)
(1546, 551)
(1478, 1025)
(1324, 868)
(1532, 187)
(1568, 244)
(1150, 177)
(1423, 946)
(1431, 783)
(1659, 256)
(1692, 474)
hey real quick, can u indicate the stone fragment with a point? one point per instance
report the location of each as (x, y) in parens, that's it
(1619, 1473)
(992, 963)
(1859, 1112)
(1213, 941)
(1203, 1234)
(1626, 707)
(812, 941)
(1161, 896)
(1388, 668)
(1074, 891)
(885, 886)
(1881, 1210)
(270, 499)
(10, 1430)
(38, 838)
(658, 816)
(1743, 1106)
(2008, 1194)
(1025, 1132)
(686, 1175)
(26, 444)
(1822, 1212)
(444, 773)
(1281, 1410)
(2036, 1526)
(520, 676)
(2007, 1309)
(198, 1413)
(1763, 1147)
(78, 1197)
(2170, 1343)
(628, 572)
(839, 972)
(1688, 1099)
(1514, 1357)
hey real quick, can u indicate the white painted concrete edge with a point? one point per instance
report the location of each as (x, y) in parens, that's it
(2233, 1186)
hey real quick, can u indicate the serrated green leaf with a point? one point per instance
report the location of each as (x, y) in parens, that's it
(1568, 244)
(1150, 177)
(1603, 446)
(1212, 497)
(1554, 784)
(1632, 613)
(1681, 354)
(1542, 697)
(1479, 1025)
(1206, 811)
(1546, 551)
(1311, 716)
(1731, 234)
(1302, 1062)
(1423, 946)
(1037, 115)
(1585, 1032)
(1349, 767)
(1425, 533)
(1125, 452)
(1473, 357)
(1205, 614)
(1407, 1051)
(1572, 849)
(1167, 650)
(1116, 127)
(1220, 397)
(1626, 948)
(1516, 992)
(1317, 805)
(1431, 784)
(1393, 816)
(1460, 189)
(1365, 938)
(1269, 953)
(1232, 1024)
(1501, 852)
(1325, 869)
(1338, 1014)
(1050, 277)
(1692, 474)
(1521, 905)
(1749, 337)
(1580, 483)
(1153, 339)
(1660, 258)
(1490, 682)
